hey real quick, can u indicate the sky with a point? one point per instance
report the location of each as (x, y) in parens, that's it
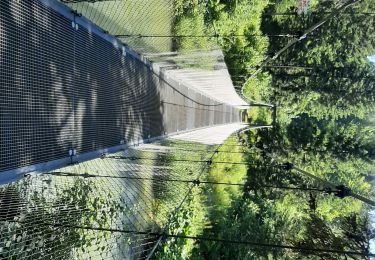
(371, 58)
(372, 213)
(372, 242)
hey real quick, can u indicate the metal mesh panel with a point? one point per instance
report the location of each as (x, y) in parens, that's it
(36, 82)
(122, 18)
(98, 90)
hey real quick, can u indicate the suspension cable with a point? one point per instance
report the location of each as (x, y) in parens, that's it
(203, 36)
(209, 162)
(342, 190)
(197, 182)
(201, 238)
(296, 14)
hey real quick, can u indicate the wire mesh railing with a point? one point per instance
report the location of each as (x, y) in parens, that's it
(69, 103)
(72, 93)
(164, 32)
(100, 208)
(145, 33)
(123, 205)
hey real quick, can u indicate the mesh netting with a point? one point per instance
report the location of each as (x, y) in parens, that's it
(71, 93)
(70, 89)
(104, 207)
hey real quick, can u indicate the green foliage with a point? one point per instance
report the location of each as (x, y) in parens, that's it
(325, 126)
(17, 231)
(338, 81)
(220, 197)
(206, 205)
(242, 54)
(286, 6)
(191, 218)
(190, 221)
(183, 7)
(190, 19)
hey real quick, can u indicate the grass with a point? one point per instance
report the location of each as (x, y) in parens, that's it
(159, 17)
(258, 89)
(221, 196)
(190, 19)
(170, 194)
(206, 203)
(133, 17)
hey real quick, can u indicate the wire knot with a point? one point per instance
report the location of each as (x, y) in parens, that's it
(75, 13)
(342, 191)
(197, 182)
(164, 236)
(288, 166)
